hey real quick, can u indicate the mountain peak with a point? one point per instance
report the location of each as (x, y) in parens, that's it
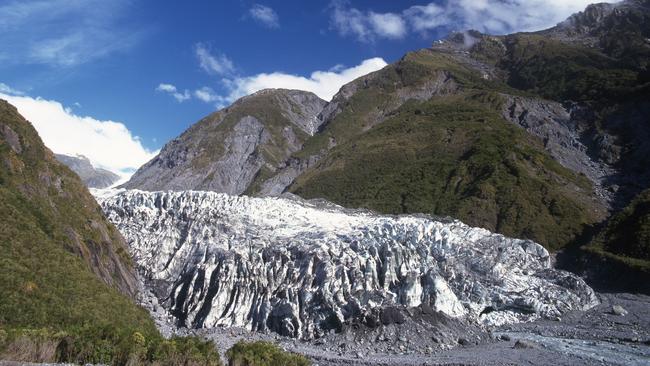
(93, 177)
(228, 149)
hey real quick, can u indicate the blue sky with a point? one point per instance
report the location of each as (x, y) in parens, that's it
(138, 73)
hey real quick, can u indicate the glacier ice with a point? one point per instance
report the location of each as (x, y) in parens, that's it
(305, 268)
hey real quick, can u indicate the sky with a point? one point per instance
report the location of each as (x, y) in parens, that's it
(115, 80)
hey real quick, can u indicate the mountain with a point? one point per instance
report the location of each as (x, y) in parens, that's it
(228, 149)
(533, 135)
(91, 176)
(62, 263)
(305, 269)
(67, 282)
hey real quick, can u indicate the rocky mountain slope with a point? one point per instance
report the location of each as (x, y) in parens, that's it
(91, 176)
(67, 283)
(305, 269)
(533, 135)
(452, 154)
(62, 264)
(228, 149)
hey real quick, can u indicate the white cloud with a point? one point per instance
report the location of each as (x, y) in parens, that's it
(207, 95)
(352, 22)
(64, 32)
(6, 89)
(488, 16)
(322, 83)
(388, 25)
(108, 144)
(213, 64)
(171, 90)
(265, 15)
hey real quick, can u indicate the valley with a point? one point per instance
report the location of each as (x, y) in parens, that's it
(484, 200)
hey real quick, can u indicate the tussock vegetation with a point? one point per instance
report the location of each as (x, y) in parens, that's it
(263, 354)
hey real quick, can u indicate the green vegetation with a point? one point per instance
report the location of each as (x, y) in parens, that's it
(263, 354)
(626, 237)
(105, 346)
(561, 71)
(377, 95)
(456, 156)
(65, 274)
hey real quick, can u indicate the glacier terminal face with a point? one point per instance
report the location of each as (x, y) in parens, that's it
(306, 268)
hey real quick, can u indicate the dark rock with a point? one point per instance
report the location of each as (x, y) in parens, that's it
(524, 344)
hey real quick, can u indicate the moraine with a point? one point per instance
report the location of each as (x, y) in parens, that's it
(305, 268)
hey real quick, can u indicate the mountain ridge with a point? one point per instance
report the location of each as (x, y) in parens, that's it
(430, 132)
(91, 176)
(257, 133)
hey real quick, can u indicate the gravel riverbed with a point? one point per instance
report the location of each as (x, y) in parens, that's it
(595, 337)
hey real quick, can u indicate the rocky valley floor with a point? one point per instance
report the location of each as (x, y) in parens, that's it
(595, 337)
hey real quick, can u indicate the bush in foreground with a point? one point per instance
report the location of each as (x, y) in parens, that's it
(105, 345)
(263, 354)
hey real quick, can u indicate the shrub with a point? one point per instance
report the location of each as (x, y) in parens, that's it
(263, 354)
(105, 345)
(189, 351)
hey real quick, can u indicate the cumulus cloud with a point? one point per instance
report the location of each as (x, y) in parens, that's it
(65, 33)
(171, 90)
(322, 83)
(488, 16)
(217, 64)
(265, 15)
(108, 144)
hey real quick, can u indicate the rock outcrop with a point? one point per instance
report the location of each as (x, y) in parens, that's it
(306, 268)
(91, 176)
(228, 149)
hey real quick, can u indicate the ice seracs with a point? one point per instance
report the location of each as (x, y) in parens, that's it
(305, 268)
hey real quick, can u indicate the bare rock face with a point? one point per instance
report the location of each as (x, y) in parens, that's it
(91, 176)
(304, 269)
(225, 151)
(566, 135)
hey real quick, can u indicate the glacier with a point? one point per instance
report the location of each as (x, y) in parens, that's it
(304, 269)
